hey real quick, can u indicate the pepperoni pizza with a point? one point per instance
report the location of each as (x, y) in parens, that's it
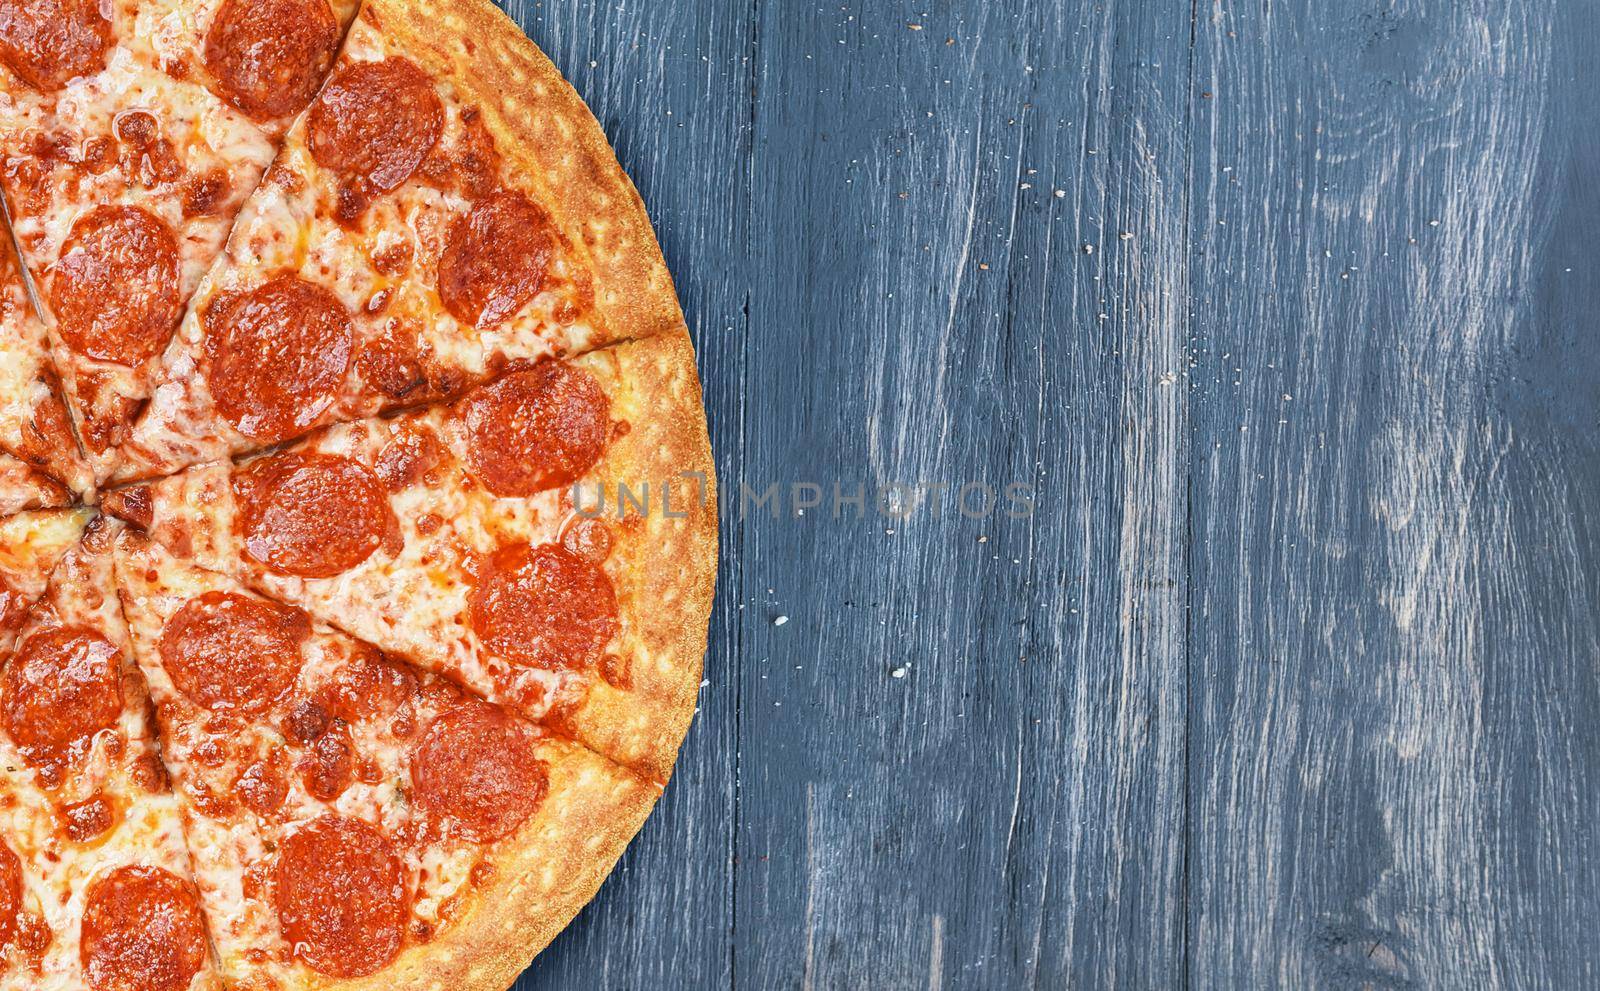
(345, 317)
(130, 133)
(352, 816)
(484, 540)
(422, 229)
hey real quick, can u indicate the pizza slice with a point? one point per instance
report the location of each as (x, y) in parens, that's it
(356, 822)
(35, 430)
(443, 208)
(485, 540)
(130, 133)
(96, 890)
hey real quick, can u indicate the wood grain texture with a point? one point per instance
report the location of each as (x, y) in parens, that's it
(1394, 625)
(1284, 310)
(942, 196)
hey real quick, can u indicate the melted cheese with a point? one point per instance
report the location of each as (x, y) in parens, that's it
(154, 66)
(226, 850)
(147, 829)
(291, 226)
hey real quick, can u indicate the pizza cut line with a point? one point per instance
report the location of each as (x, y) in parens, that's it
(331, 653)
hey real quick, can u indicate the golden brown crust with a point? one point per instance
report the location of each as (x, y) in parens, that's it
(543, 875)
(552, 144)
(663, 561)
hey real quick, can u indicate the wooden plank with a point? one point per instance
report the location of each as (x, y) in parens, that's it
(670, 83)
(961, 739)
(1394, 574)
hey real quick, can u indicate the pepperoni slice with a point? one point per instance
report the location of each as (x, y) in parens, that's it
(47, 42)
(587, 538)
(115, 288)
(341, 897)
(279, 354)
(408, 457)
(368, 685)
(376, 122)
(88, 819)
(262, 787)
(476, 771)
(543, 607)
(330, 766)
(311, 515)
(10, 893)
(62, 686)
(495, 259)
(268, 56)
(232, 654)
(538, 429)
(142, 931)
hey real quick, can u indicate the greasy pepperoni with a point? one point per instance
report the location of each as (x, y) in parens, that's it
(142, 931)
(136, 505)
(392, 363)
(137, 127)
(232, 654)
(376, 122)
(47, 42)
(311, 515)
(34, 936)
(329, 768)
(543, 607)
(495, 259)
(115, 290)
(410, 454)
(62, 686)
(87, 819)
(537, 429)
(204, 194)
(262, 788)
(106, 413)
(589, 539)
(308, 720)
(341, 896)
(475, 771)
(144, 153)
(472, 166)
(278, 356)
(368, 686)
(150, 774)
(48, 436)
(10, 893)
(268, 56)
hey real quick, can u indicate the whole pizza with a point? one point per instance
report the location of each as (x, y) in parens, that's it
(357, 515)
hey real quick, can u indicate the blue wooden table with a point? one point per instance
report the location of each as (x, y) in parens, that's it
(1283, 313)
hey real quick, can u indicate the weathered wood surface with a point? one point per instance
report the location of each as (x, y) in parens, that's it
(1393, 573)
(1283, 309)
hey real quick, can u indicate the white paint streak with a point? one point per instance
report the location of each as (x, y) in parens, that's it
(812, 883)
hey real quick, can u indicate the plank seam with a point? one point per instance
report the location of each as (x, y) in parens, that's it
(1188, 510)
(744, 418)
